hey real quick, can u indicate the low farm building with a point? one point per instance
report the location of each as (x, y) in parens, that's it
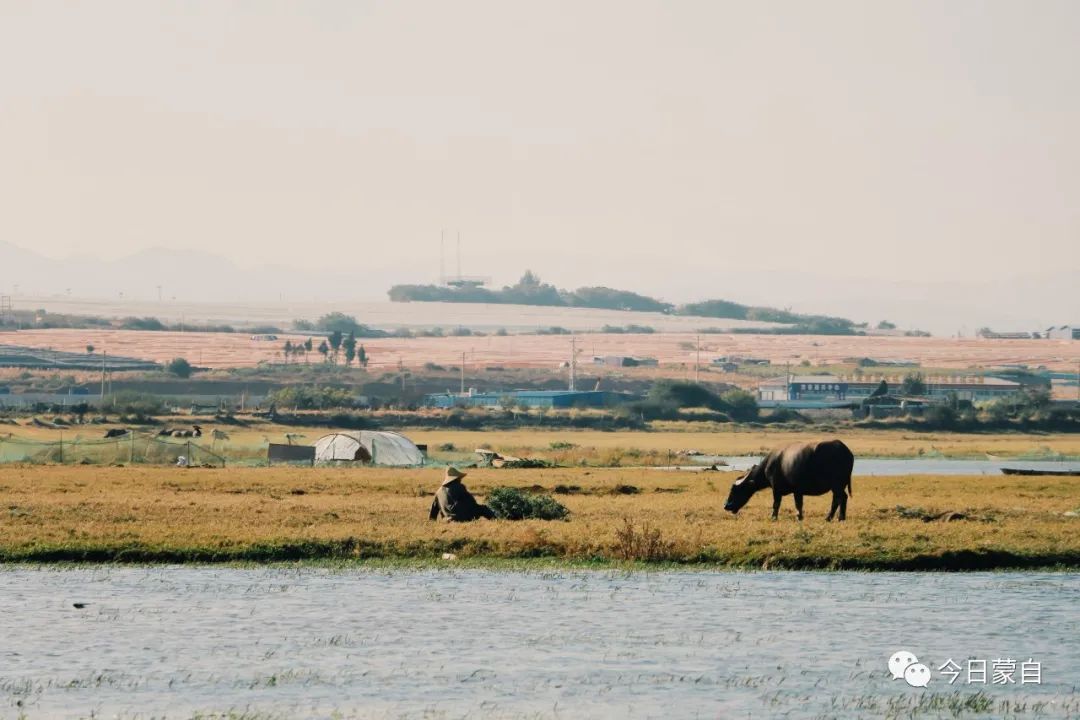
(625, 361)
(831, 388)
(529, 398)
(1063, 332)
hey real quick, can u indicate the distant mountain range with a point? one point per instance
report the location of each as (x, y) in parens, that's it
(182, 274)
(1032, 300)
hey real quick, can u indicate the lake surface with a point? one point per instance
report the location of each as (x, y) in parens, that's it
(309, 642)
(915, 466)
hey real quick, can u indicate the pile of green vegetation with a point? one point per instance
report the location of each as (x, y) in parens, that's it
(513, 504)
(530, 290)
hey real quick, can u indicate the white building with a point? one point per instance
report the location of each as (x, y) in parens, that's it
(1063, 332)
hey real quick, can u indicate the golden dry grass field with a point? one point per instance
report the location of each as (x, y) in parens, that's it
(82, 513)
(223, 350)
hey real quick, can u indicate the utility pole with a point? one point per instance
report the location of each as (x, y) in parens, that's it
(101, 402)
(462, 373)
(697, 357)
(573, 362)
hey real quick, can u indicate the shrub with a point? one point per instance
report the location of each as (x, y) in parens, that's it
(646, 543)
(913, 384)
(146, 323)
(784, 415)
(128, 402)
(941, 416)
(513, 504)
(741, 405)
(312, 398)
(179, 367)
(339, 322)
(681, 394)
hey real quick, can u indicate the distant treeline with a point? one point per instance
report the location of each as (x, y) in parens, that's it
(43, 320)
(530, 290)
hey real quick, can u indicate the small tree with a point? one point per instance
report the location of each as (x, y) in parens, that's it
(307, 349)
(335, 343)
(324, 348)
(89, 349)
(362, 357)
(350, 348)
(338, 322)
(742, 405)
(913, 384)
(179, 367)
(288, 351)
(886, 325)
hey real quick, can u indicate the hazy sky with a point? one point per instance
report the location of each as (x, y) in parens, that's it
(795, 153)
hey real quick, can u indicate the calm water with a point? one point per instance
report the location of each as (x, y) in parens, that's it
(273, 642)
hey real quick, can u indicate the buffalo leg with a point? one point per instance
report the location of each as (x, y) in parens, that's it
(835, 505)
(798, 505)
(776, 497)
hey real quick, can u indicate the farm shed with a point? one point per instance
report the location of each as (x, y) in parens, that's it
(369, 446)
(1064, 332)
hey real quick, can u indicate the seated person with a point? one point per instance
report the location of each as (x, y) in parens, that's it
(453, 502)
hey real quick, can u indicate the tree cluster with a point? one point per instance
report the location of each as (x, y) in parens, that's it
(531, 290)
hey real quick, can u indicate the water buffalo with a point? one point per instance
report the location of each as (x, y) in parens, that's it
(116, 432)
(813, 468)
(196, 431)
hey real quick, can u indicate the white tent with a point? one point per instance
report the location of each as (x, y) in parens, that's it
(373, 446)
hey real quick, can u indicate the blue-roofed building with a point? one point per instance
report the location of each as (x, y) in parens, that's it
(530, 398)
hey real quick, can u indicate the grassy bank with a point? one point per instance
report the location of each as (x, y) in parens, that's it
(666, 444)
(87, 514)
(661, 445)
